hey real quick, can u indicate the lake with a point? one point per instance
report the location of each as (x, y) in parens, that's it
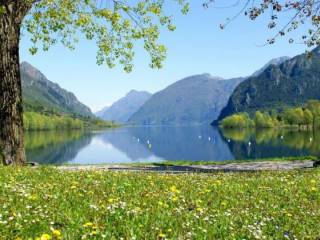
(156, 144)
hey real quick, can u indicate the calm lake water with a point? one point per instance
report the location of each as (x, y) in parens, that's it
(156, 144)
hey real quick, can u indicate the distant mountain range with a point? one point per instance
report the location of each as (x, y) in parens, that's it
(40, 94)
(125, 107)
(193, 100)
(291, 83)
(197, 99)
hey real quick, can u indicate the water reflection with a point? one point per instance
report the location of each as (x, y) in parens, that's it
(184, 143)
(266, 143)
(55, 147)
(139, 144)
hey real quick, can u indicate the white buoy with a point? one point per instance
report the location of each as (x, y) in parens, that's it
(138, 140)
(148, 142)
(281, 137)
(249, 143)
(209, 139)
(200, 137)
(229, 140)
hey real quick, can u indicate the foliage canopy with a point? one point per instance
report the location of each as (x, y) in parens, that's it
(114, 25)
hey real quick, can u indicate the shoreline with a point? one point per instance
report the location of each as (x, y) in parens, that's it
(194, 168)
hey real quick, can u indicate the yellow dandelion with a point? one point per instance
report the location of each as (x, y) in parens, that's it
(173, 188)
(56, 233)
(88, 224)
(45, 237)
(161, 235)
(33, 197)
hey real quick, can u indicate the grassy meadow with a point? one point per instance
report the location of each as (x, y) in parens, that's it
(46, 203)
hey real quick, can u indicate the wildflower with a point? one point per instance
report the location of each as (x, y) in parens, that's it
(199, 209)
(313, 181)
(88, 224)
(313, 189)
(33, 197)
(45, 237)
(173, 188)
(56, 233)
(161, 235)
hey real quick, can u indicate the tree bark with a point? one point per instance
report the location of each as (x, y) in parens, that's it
(11, 112)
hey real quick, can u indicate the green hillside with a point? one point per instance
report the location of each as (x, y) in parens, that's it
(42, 95)
(291, 83)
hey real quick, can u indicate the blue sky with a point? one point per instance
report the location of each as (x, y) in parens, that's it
(197, 46)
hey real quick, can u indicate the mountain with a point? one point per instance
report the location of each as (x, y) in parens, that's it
(194, 100)
(40, 94)
(125, 107)
(291, 83)
(100, 113)
(274, 61)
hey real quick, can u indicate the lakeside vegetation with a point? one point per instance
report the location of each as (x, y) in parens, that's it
(45, 203)
(306, 117)
(34, 121)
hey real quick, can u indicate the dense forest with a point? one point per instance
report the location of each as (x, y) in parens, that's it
(305, 117)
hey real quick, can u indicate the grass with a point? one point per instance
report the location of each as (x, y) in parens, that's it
(45, 203)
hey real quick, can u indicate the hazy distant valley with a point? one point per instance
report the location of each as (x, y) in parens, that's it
(194, 100)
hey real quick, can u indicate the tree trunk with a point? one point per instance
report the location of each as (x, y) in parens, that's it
(11, 115)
